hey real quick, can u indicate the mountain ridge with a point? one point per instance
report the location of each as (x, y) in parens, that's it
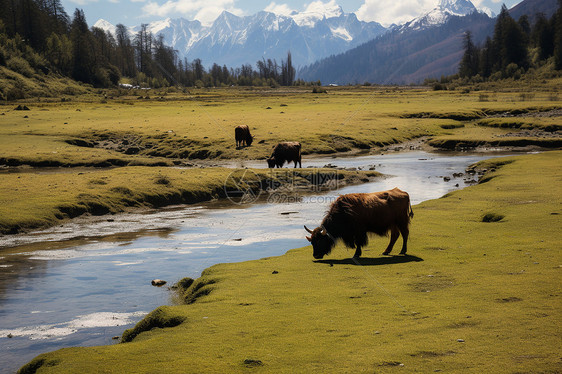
(410, 54)
(308, 36)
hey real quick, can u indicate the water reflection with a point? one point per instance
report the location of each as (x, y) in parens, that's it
(84, 282)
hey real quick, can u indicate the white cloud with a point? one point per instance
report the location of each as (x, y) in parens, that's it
(282, 9)
(84, 2)
(321, 7)
(202, 10)
(388, 12)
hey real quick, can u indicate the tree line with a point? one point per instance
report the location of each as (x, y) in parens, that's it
(514, 48)
(38, 35)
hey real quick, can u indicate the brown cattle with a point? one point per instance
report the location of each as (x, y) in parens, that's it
(285, 152)
(243, 136)
(354, 215)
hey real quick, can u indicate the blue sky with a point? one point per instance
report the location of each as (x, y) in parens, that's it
(135, 12)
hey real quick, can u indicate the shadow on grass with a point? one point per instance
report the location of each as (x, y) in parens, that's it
(368, 261)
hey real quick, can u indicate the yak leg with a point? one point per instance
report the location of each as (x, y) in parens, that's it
(405, 232)
(357, 252)
(394, 234)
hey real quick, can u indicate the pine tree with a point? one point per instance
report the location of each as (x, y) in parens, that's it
(557, 22)
(469, 63)
(487, 58)
(543, 37)
(510, 42)
(125, 59)
(82, 67)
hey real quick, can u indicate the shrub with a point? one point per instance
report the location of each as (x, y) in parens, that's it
(19, 65)
(439, 87)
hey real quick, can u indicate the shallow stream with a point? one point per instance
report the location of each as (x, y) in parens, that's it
(83, 283)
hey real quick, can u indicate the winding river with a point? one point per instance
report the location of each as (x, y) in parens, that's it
(84, 282)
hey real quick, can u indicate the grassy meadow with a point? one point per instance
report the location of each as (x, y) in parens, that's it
(177, 127)
(131, 130)
(479, 292)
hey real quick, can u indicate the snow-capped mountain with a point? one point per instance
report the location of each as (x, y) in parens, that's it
(104, 25)
(440, 14)
(232, 40)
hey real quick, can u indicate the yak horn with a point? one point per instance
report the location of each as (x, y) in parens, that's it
(307, 229)
(323, 232)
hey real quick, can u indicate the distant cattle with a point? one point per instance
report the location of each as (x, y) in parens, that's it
(354, 215)
(243, 136)
(285, 152)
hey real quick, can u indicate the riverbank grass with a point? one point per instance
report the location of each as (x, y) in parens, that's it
(472, 296)
(30, 200)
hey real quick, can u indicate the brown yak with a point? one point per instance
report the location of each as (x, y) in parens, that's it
(286, 151)
(243, 136)
(354, 215)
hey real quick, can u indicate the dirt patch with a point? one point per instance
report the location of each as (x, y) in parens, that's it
(430, 283)
(557, 112)
(432, 354)
(511, 299)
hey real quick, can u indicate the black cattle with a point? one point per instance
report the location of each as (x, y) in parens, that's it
(354, 215)
(285, 152)
(243, 136)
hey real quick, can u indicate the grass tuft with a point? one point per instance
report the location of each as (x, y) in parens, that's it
(158, 318)
(492, 217)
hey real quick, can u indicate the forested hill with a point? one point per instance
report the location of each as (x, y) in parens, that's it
(410, 56)
(402, 57)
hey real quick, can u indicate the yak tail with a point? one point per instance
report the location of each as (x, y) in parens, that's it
(411, 214)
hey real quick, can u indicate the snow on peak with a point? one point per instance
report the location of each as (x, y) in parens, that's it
(440, 14)
(105, 25)
(342, 33)
(489, 12)
(317, 11)
(457, 7)
(157, 26)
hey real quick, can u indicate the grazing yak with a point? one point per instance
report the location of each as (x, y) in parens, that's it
(286, 151)
(354, 215)
(243, 136)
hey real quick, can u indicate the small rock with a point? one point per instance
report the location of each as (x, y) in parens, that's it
(10, 336)
(158, 282)
(115, 338)
(275, 272)
(460, 340)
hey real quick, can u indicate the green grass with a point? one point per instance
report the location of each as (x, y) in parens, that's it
(472, 297)
(175, 127)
